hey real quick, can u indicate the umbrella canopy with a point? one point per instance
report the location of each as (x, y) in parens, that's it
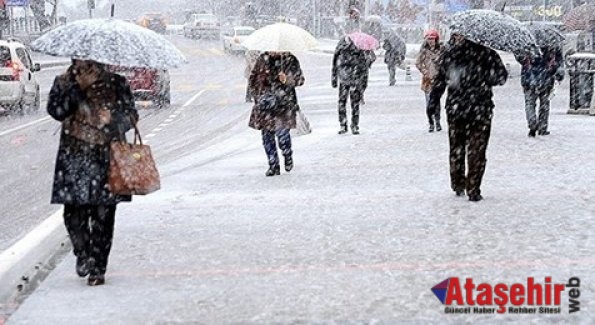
(546, 35)
(363, 41)
(110, 41)
(280, 37)
(580, 17)
(495, 30)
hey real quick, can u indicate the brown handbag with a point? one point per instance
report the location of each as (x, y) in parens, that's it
(132, 170)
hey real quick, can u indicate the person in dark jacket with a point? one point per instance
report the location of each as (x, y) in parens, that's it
(538, 75)
(393, 56)
(95, 108)
(469, 71)
(272, 83)
(350, 74)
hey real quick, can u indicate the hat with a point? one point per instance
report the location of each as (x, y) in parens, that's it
(432, 34)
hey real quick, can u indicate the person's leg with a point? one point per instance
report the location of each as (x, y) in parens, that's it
(270, 147)
(544, 112)
(457, 141)
(391, 74)
(436, 113)
(429, 112)
(343, 93)
(76, 221)
(478, 144)
(285, 145)
(530, 99)
(102, 233)
(356, 95)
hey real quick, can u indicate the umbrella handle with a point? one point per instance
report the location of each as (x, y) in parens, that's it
(113, 9)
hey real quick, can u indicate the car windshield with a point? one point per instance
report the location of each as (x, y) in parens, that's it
(4, 55)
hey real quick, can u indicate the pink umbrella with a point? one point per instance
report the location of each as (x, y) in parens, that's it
(363, 41)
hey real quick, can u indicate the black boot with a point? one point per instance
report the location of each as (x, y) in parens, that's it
(431, 129)
(532, 133)
(96, 280)
(82, 267)
(438, 126)
(355, 129)
(288, 163)
(543, 132)
(343, 129)
(273, 170)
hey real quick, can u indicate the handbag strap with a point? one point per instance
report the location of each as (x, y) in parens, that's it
(136, 131)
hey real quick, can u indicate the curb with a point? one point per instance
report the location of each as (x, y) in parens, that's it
(21, 265)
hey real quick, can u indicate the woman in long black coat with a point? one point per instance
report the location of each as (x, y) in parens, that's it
(275, 73)
(95, 108)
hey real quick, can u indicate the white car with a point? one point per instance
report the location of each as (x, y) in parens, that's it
(19, 88)
(233, 38)
(202, 26)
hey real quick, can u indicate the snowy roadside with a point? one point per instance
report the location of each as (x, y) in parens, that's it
(360, 230)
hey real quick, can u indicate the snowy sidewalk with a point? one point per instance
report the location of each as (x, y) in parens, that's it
(361, 230)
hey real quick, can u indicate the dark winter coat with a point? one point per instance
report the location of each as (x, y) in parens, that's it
(82, 163)
(265, 77)
(350, 64)
(541, 72)
(469, 71)
(393, 55)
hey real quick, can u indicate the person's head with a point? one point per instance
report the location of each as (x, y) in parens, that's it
(432, 37)
(86, 67)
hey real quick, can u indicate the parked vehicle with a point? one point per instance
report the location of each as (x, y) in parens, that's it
(202, 26)
(147, 84)
(154, 21)
(233, 38)
(19, 89)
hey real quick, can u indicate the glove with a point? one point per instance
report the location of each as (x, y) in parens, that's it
(334, 83)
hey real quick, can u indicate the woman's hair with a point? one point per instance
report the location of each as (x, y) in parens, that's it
(426, 45)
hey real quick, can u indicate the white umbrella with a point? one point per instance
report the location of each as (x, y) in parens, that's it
(110, 41)
(280, 37)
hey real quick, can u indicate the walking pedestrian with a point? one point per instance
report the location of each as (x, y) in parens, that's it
(95, 108)
(538, 75)
(272, 84)
(469, 70)
(394, 56)
(350, 74)
(426, 64)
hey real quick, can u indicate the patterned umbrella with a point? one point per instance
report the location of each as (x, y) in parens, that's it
(281, 37)
(110, 41)
(580, 17)
(494, 30)
(546, 35)
(363, 41)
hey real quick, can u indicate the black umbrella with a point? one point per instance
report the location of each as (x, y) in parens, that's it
(546, 35)
(495, 30)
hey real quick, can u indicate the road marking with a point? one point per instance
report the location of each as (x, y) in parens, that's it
(191, 100)
(39, 121)
(150, 135)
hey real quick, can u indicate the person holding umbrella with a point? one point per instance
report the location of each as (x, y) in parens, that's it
(351, 64)
(538, 74)
(426, 64)
(272, 83)
(95, 108)
(469, 70)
